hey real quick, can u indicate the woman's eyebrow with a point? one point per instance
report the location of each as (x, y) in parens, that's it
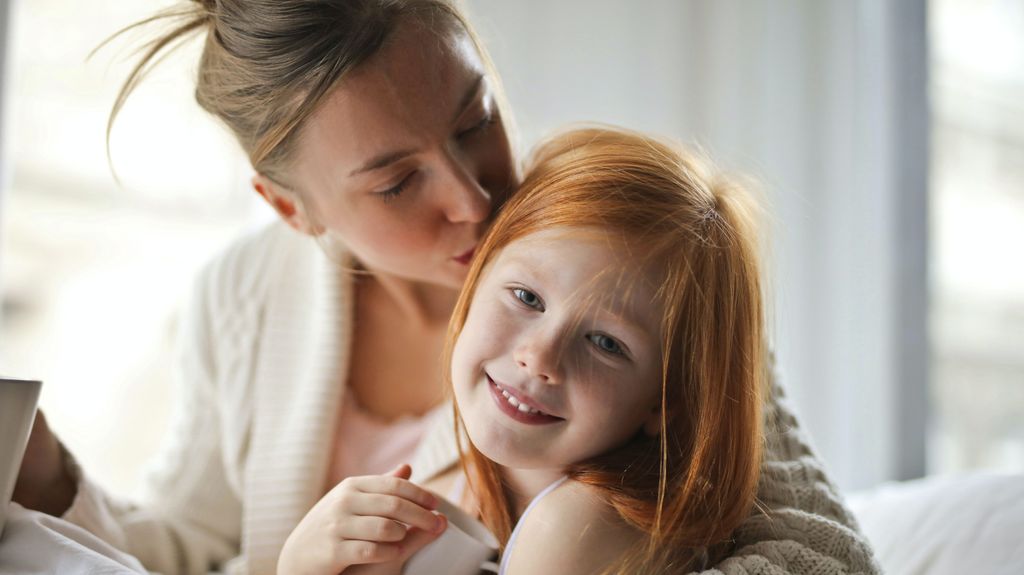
(381, 160)
(387, 158)
(469, 96)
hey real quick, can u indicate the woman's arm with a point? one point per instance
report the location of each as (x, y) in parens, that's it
(805, 527)
(45, 480)
(190, 518)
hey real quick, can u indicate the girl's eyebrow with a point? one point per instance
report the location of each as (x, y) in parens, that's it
(517, 262)
(626, 315)
(629, 322)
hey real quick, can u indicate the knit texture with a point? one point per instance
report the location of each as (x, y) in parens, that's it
(801, 525)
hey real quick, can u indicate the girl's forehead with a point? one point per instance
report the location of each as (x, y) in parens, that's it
(579, 245)
(588, 265)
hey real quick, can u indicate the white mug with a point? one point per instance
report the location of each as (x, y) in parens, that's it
(460, 550)
(18, 400)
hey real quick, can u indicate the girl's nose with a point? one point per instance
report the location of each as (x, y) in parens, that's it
(538, 356)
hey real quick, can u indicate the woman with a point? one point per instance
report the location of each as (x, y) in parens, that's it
(311, 350)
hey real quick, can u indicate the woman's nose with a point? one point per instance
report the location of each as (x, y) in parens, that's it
(465, 200)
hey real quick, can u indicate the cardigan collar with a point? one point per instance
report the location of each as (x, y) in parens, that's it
(304, 350)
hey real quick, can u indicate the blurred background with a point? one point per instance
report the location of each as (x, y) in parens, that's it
(888, 138)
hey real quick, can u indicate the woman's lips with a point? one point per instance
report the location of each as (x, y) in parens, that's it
(518, 407)
(466, 257)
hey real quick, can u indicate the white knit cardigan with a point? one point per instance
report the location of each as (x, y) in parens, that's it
(261, 374)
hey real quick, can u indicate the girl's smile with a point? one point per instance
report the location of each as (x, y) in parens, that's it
(559, 359)
(520, 406)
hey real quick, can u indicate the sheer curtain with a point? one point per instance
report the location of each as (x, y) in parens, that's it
(5, 25)
(825, 103)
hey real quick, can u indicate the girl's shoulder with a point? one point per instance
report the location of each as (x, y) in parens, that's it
(571, 530)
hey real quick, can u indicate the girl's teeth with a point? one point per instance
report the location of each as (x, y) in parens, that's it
(516, 404)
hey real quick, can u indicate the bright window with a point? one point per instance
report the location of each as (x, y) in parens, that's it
(977, 319)
(94, 270)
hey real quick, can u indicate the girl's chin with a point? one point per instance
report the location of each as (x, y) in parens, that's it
(502, 449)
(514, 459)
(503, 457)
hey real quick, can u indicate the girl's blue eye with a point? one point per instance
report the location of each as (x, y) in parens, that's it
(528, 298)
(394, 191)
(606, 343)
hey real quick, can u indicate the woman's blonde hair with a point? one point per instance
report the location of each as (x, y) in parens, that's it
(688, 488)
(267, 65)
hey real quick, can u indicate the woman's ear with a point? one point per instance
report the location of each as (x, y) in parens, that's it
(287, 205)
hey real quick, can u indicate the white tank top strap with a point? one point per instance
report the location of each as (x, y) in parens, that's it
(515, 531)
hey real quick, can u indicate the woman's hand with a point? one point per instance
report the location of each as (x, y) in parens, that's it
(44, 482)
(372, 519)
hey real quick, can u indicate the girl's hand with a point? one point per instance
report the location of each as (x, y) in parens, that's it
(363, 520)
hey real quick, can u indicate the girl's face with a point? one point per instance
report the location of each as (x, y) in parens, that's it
(408, 159)
(559, 359)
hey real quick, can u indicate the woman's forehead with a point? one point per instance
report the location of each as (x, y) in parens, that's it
(401, 100)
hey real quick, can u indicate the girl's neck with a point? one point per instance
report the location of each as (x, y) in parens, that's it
(525, 484)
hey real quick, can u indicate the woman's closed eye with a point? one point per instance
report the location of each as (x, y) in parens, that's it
(396, 190)
(481, 126)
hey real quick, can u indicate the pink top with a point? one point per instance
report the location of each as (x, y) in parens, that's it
(368, 445)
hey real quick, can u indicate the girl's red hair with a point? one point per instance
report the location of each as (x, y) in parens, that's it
(692, 485)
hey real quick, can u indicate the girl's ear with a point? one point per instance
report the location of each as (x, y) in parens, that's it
(652, 425)
(287, 205)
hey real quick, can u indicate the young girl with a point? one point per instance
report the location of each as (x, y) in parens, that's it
(607, 358)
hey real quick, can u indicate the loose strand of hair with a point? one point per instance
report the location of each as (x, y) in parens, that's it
(149, 60)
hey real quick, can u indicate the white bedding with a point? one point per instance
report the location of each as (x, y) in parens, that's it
(34, 542)
(946, 525)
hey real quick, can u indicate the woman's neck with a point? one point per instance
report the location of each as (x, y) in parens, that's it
(418, 304)
(525, 484)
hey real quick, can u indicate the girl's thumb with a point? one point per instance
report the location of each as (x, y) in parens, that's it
(403, 471)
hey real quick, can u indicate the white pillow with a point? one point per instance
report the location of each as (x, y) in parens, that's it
(946, 525)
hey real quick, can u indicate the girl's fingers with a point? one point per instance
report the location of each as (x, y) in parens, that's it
(391, 507)
(396, 486)
(403, 471)
(353, 552)
(417, 538)
(373, 529)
